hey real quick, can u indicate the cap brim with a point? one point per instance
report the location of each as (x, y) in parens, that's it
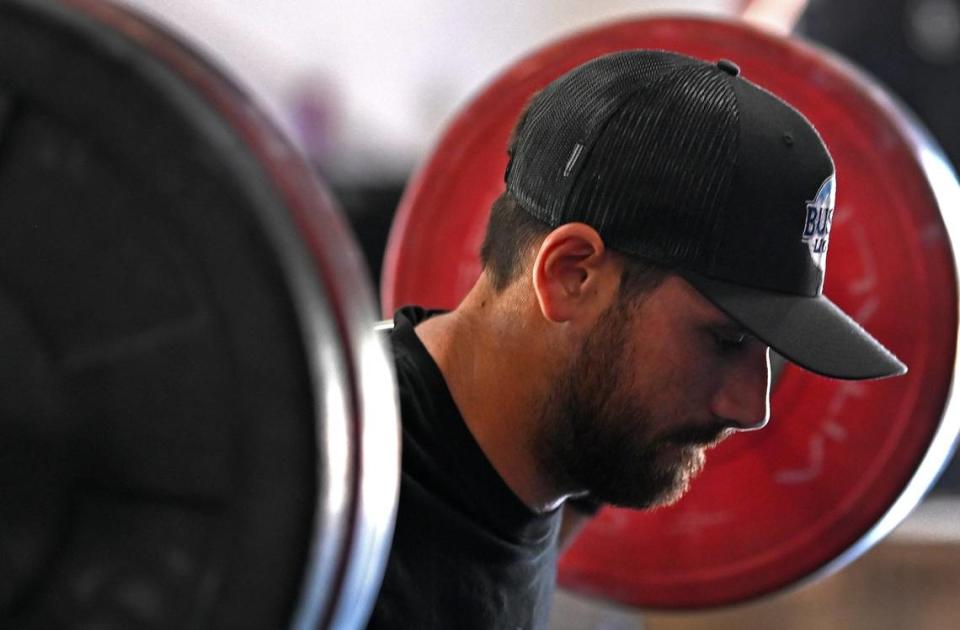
(809, 331)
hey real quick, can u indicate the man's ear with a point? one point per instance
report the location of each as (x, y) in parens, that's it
(572, 273)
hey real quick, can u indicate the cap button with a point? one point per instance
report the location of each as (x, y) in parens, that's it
(729, 67)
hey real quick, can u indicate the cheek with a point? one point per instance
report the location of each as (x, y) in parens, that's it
(674, 389)
(667, 372)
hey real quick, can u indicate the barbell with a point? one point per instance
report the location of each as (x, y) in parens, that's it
(200, 423)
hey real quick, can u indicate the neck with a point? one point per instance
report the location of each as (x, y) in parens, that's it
(494, 367)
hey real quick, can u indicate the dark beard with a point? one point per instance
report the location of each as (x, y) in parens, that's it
(594, 437)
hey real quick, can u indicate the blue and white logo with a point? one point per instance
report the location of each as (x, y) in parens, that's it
(816, 227)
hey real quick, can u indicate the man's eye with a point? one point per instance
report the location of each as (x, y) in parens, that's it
(728, 342)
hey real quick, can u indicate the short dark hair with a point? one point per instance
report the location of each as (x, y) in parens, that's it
(512, 233)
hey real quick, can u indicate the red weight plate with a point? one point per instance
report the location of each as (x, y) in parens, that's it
(841, 463)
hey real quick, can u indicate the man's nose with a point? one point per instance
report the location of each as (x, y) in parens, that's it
(744, 395)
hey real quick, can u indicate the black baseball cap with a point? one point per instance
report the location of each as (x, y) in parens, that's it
(688, 165)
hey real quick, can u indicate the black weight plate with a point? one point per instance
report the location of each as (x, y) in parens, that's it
(185, 410)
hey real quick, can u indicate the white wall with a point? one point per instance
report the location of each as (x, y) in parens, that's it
(382, 76)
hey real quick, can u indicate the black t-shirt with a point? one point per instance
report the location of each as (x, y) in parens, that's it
(467, 552)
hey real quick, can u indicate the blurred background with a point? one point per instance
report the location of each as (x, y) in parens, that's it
(365, 89)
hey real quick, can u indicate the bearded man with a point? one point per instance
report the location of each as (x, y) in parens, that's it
(665, 222)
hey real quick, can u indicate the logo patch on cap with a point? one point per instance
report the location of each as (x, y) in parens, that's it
(816, 227)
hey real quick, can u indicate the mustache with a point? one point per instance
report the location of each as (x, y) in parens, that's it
(701, 435)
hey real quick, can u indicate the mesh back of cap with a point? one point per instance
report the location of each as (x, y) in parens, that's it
(641, 145)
